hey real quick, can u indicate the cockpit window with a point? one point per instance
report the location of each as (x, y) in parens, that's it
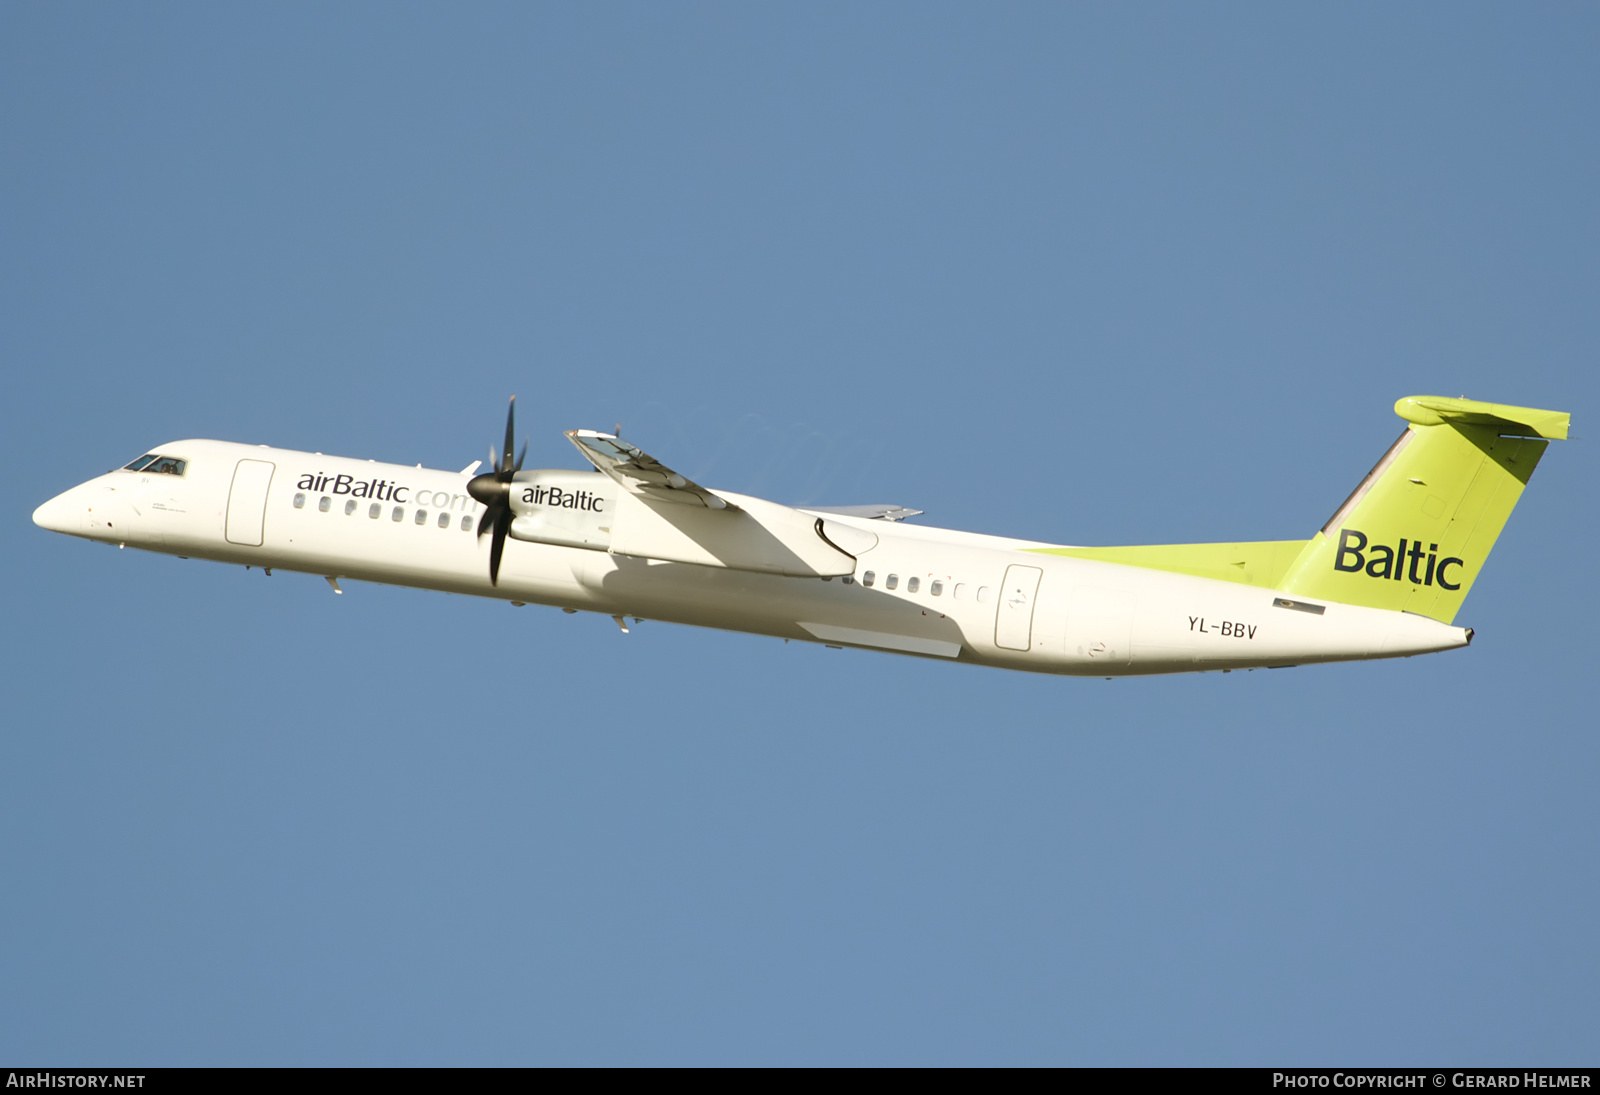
(156, 464)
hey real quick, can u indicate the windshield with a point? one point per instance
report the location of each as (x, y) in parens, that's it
(156, 464)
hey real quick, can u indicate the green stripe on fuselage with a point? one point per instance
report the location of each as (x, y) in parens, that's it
(1258, 563)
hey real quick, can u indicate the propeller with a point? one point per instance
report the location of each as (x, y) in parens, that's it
(493, 489)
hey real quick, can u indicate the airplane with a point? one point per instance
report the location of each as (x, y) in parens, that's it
(635, 540)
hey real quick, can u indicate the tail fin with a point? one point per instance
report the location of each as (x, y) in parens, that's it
(1416, 532)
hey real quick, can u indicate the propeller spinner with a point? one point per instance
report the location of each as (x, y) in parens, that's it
(493, 489)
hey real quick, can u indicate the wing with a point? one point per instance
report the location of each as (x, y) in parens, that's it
(640, 473)
(872, 513)
(663, 515)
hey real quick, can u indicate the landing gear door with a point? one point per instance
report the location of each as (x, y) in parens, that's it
(1013, 623)
(247, 502)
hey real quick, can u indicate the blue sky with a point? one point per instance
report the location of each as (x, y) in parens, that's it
(1088, 274)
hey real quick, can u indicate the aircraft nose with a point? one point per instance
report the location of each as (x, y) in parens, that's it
(63, 513)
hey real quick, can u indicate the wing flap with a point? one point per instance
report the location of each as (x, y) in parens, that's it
(640, 473)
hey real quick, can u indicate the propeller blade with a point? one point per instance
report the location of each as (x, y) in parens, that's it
(493, 491)
(511, 441)
(497, 546)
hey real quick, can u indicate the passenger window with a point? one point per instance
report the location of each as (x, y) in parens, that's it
(349, 507)
(891, 581)
(373, 511)
(422, 517)
(936, 588)
(399, 514)
(466, 522)
(444, 520)
(983, 595)
(960, 591)
(867, 578)
(913, 584)
(324, 504)
(849, 580)
(299, 501)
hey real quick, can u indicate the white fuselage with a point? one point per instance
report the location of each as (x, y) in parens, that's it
(934, 592)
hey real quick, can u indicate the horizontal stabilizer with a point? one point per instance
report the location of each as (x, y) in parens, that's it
(1432, 410)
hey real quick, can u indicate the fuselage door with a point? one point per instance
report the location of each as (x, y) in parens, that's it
(247, 501)
(1013, 623)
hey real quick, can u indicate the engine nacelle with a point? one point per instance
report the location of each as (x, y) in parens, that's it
(567, 508)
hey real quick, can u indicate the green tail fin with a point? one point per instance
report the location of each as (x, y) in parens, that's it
(1416, 532)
